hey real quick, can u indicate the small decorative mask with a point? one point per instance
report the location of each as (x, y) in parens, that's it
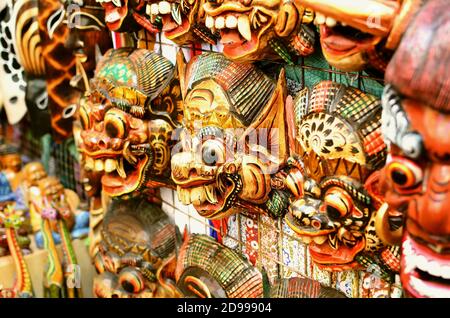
(137, 253)
(416, 183)
(127, 119)
(234, 141)
(339, 132)
(124, 15)
(258, 29)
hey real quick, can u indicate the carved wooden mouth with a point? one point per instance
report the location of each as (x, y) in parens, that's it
(115, 12)
(240, 27)
(174, 16)
(424, 273)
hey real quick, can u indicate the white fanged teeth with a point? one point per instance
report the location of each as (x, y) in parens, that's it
(89, 164)
(198, 195)
(306, 239)
(154, 9)
(244, 27)
(220, 23)
(120, 169)
(99, 166)
(210, 194)
(320, 19)
(231, 22)
(113, 16)
(110, 165)
(164, 7)
(427, 290)
(184, 195)
(209, 22)
(148, 9)
(330, 22)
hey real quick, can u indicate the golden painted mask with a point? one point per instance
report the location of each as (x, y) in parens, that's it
(127, 119)
(234, 138)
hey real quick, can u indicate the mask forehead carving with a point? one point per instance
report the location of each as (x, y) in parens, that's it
(341, 146)
(225, 102)
(416, 180)
(123, 134)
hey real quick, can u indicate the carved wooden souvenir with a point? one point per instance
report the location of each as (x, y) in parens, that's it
(416, 121)
(125, 15)
(12, 83)
(127, 120)
(339, 132)
(235, 138)
(137, 256)
(12, 221)
(88, 38)
(59, 67)
(207, 269)
(57, 215)
(259, 29)
(359, 34)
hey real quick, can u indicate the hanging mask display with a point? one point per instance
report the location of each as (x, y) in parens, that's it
(339, 132)
(137, 256)
(416, 183)
(234, 139)
(259, 29)
(127, 120)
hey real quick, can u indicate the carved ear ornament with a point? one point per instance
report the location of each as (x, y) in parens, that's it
(396, 126)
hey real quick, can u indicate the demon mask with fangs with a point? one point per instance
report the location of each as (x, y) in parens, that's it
(234, 138)
(416, 178)
(124, 15)
(340, 147)
(127, 119)
(359, 34)
(182, 21)
(252, 30)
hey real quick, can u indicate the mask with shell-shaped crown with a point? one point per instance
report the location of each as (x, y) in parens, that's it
(340, 149)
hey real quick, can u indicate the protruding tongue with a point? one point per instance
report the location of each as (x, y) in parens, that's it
(231, 38)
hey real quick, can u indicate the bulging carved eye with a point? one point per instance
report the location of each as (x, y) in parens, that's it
(85, 119)
(131, 280)
(403, 173)
(338, 203)
(115, 124)
(213, 152)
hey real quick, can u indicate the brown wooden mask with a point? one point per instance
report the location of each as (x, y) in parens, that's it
(361, 33)
(88, 37)
(416, 183)
(127, 120)
(234, 139)
(138, 252)
(339, 132)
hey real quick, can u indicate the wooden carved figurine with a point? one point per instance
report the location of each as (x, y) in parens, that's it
(340, 149)
(234, 140)
(137, 255)
(12, 221)
(416, 183)
(127, 119)
(260, 29)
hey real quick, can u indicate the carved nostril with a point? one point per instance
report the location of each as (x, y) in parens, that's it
(102, 144)
(316, 224)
